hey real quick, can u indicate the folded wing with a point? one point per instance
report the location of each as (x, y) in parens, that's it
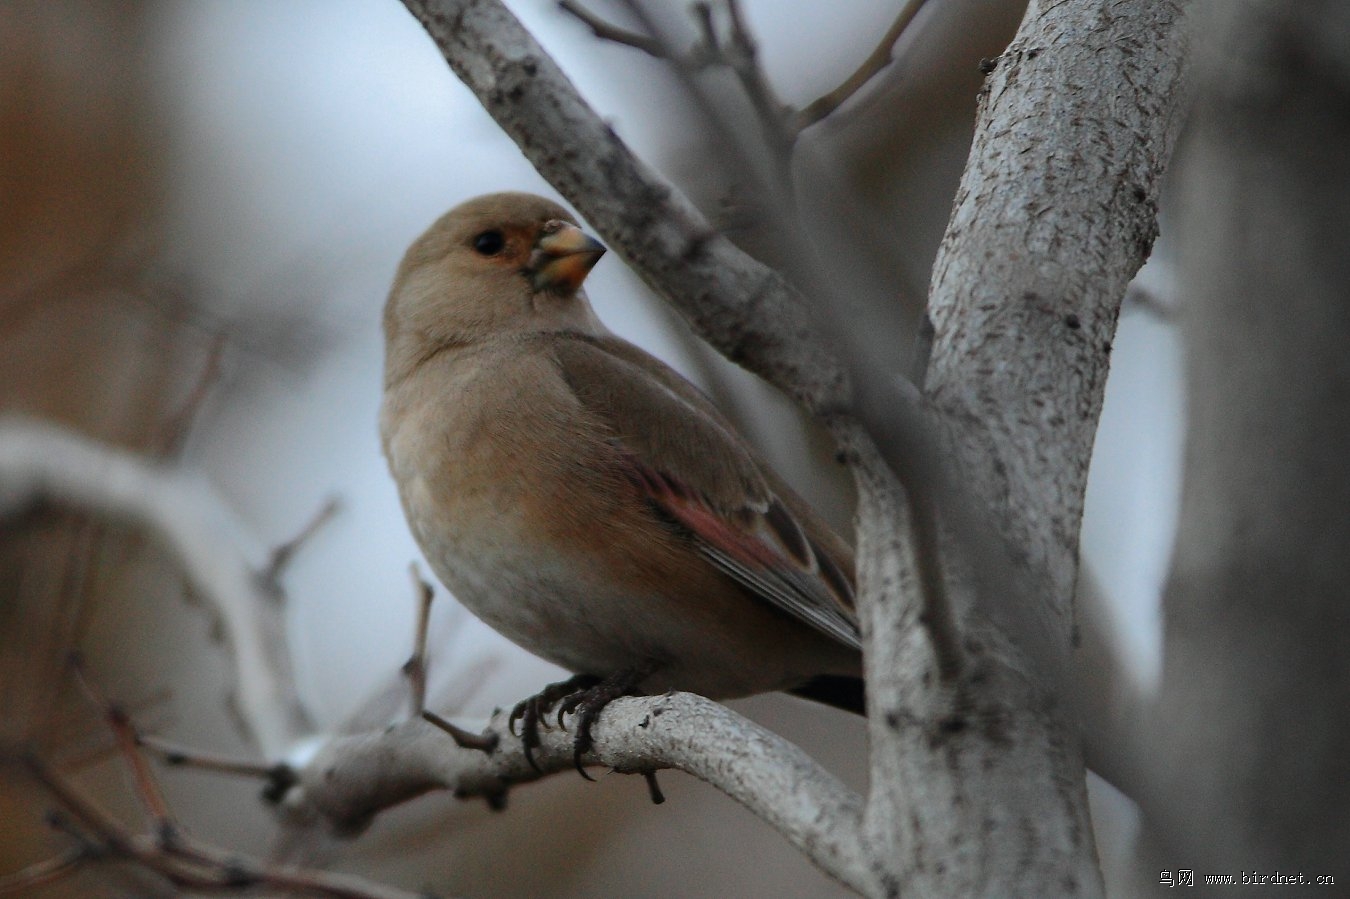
(695, 473)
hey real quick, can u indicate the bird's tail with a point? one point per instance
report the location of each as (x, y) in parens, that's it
(842, 692)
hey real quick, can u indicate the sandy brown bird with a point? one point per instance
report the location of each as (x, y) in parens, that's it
(584, 499)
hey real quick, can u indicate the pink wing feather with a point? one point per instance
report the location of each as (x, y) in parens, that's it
(761, 547)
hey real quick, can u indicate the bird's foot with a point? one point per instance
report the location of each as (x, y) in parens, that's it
(586, 704)
(530, 712)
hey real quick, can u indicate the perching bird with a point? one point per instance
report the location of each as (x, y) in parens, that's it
(584, 499)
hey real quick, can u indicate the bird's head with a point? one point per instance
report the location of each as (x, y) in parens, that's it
(494, 265)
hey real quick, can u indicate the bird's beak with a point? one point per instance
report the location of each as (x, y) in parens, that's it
(562, 258)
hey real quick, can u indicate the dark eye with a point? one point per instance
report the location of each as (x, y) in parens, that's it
(489, 243)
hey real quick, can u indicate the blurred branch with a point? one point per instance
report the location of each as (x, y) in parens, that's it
(1155, 290)
(782, 123)
(179, 425)
(1257, 602)
(415, 669)
(44, 462)
(283, 552)
(1114, 707)
(741, 53)
(351, 779)
(818, 109)
(607, 31)
(46, 871)
(169, 853)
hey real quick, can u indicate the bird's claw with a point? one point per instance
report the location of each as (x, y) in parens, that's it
(585, 706)
(584, 697)
(531, 713)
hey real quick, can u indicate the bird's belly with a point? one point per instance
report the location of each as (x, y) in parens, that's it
(557, 603)
(535, 602)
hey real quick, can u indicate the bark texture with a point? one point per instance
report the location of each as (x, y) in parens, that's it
(1055, 214)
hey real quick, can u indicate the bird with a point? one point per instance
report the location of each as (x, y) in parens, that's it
(585, 500)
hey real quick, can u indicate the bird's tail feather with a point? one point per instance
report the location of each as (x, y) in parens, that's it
(842, 692)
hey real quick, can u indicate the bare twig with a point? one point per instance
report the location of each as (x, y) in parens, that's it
(179, 425)
(282, 554)
(608, 31)
(820, 108)
(1154, 290)
(175, 755)
(166, 850)
(125, 738)
(415, 669)
(774, 115)
(83, 543)
(465, 739)
(44, 872)
(77, 748)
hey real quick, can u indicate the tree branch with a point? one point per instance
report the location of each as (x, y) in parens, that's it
(46, 462)
(607, 31)
(353, 778)
(873, 65)
(1056, 212)
(172, 855)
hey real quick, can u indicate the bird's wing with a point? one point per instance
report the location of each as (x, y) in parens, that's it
(701, 478)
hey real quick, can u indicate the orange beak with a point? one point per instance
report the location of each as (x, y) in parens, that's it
(562, 258)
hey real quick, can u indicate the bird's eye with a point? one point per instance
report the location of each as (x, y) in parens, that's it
(489, 243)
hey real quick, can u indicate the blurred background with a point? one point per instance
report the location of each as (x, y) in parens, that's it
(201, 208)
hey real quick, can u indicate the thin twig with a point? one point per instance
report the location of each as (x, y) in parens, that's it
(175, 755)
(92, 749)
(180, 423)
(466, 739)
(880, 58)
(415, 669)
(769, 179)
(124, 736)
(608, 31)
(84, 542)
(283, 553)
(46, 871)
(703, 17)
(773, 114)
(185, 862)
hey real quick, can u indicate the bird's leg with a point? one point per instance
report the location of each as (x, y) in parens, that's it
(530, 712)
(587, 704)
